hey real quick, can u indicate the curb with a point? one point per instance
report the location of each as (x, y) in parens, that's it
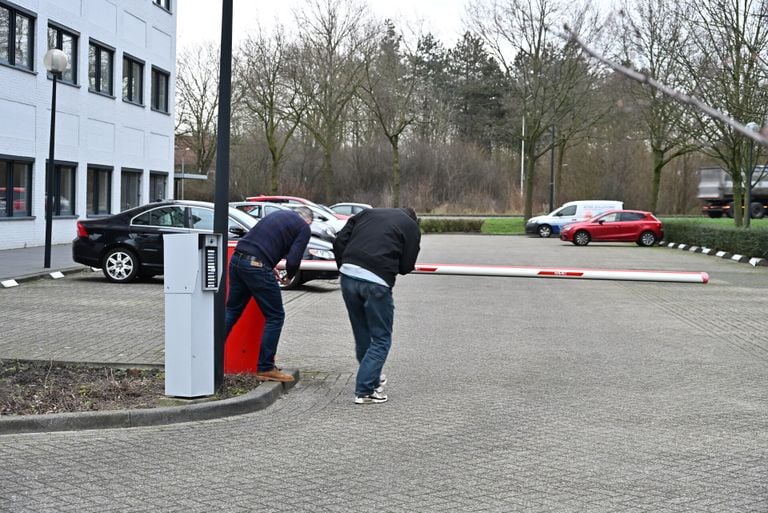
(41, 275)
(258, 399)
(753, 261)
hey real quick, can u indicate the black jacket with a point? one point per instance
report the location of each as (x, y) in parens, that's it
(384, 241)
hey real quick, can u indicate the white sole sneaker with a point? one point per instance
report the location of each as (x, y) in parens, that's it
(374, 398)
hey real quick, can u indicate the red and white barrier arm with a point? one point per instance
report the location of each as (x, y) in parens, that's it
(534, 272)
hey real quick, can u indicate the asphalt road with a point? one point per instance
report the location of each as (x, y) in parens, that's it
(506, 394)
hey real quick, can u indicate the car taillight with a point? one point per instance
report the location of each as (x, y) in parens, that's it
(81, 231)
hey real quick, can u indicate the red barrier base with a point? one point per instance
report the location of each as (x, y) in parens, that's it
(241, 351)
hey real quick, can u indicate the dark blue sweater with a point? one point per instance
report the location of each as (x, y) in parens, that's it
(279, 235)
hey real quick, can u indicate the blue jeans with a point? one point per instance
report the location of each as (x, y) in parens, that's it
(246, 281)
(371, 312)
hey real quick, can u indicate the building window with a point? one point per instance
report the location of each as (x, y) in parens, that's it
(17, 31)
(99, 190)
(159, 90)
(130, 189)
(65, 41)
(133, 81)
(15, 188)
(100, 59)
(64, 190)
(158, 185)
(165, 4)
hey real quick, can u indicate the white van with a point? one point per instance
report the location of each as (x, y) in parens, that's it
(571, 212)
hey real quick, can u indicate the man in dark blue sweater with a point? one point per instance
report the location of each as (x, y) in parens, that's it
(371, 250)
(282, 234)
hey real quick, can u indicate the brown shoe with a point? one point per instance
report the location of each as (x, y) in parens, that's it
(274, 375)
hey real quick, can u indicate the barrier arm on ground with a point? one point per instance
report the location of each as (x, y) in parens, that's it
(534, 272)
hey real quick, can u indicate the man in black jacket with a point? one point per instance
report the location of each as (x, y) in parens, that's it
(371, 250)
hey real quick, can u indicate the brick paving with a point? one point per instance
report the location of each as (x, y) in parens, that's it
(506, 394)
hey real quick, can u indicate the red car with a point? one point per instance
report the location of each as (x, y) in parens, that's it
(636, 226)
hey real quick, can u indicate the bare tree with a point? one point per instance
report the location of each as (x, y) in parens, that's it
(654, 39)
(335, 37)
(388, 89)
(544, 70)
(197, 101)
(730, 42)
(269, 92)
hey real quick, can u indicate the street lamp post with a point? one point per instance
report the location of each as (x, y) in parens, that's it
(183, 177)
(522, 159)
(748, 176)
(56, 63)
(552, 173)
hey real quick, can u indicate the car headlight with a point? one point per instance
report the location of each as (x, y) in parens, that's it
(322, 254)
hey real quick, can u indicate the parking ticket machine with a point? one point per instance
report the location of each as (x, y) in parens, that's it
(193, 264)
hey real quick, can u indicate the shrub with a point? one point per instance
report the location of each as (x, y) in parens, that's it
(447, 225)
(748, 242)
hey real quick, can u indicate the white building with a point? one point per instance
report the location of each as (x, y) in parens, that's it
(114, 112)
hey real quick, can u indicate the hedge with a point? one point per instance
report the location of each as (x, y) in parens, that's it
(739, 241)
(451, 225)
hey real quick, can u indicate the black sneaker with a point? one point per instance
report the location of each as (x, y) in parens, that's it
(374, 398)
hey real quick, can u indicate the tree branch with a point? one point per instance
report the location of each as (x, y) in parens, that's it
(758, 137)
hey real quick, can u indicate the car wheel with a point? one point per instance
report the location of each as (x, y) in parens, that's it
(756, 210)
(120, 265)
(581, 238)
(647, 238)
(545, 231)
(292, 283)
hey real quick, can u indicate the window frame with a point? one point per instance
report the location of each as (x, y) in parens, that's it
(57, 186)
(14, 12)
(163, 4)
(9, 162)
(70, 74)
(101, 50)
(155, 100)
(153, 177)
(94, 176)
(134, 173)
(128, 74)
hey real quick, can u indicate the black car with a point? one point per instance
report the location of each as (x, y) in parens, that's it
(129, 245)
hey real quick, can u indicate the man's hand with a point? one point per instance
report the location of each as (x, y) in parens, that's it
(280, 276)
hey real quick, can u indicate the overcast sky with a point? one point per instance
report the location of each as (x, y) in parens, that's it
(199, 21)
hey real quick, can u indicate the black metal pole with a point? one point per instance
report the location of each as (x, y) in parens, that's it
(221, 199)
(552, 173)
(49, 180)
(748, 185)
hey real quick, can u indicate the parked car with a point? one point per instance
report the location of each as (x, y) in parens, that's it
(571, 212)
(616, 226)
(349, 209)
(291, 200)
(258, 210)
(129, 245)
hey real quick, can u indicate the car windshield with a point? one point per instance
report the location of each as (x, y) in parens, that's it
(242, 218)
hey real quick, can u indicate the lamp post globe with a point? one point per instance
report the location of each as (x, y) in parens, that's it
(56, 62)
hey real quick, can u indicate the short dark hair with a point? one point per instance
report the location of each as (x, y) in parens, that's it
(411, 213)
(305, 213)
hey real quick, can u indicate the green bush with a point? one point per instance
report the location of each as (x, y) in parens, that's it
(437, 225)
(752, 242)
